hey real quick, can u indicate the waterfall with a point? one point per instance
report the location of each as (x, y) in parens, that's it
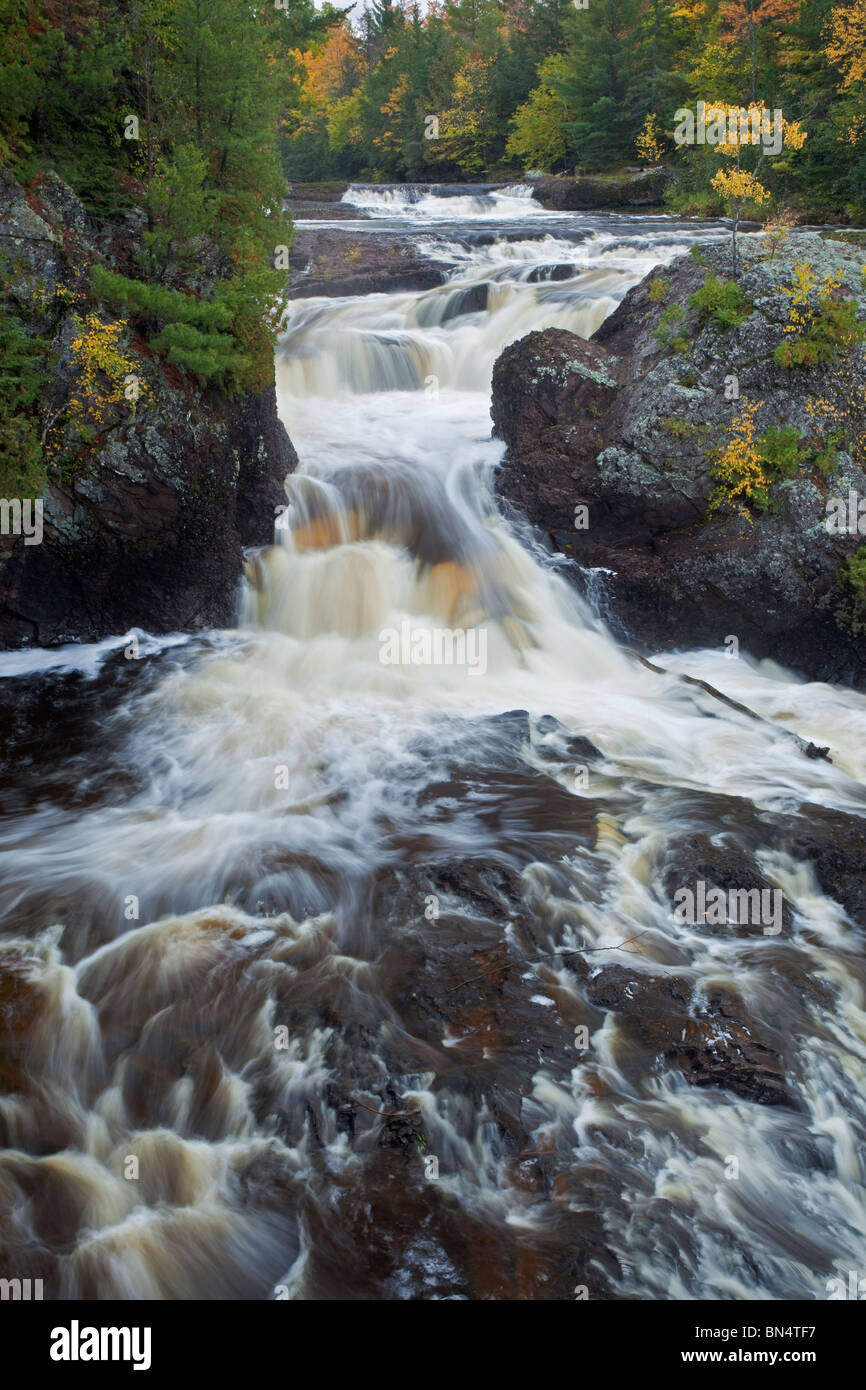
(251, 920)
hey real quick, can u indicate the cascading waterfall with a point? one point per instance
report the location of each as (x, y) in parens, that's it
(443, 203)
(246, 849)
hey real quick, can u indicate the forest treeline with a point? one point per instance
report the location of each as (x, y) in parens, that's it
(402, 91)
(187, 118)
(488, 87)
(163, 117)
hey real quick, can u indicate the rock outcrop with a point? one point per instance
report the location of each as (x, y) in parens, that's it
(632, 426)
(588, 191)
(144, 523)
(331, 262)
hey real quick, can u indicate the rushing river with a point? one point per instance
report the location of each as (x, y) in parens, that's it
(298, 942)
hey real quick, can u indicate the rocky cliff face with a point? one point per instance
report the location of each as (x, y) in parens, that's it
(148, 504)
(632, 426)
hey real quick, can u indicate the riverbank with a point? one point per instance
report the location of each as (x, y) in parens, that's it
(147, 481)
(689, 473)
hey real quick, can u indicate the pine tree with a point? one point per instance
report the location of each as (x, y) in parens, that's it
(602, 84)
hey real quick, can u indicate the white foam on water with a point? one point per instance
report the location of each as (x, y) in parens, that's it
(393, 521)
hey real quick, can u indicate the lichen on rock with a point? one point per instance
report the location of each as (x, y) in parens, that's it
(635, 429)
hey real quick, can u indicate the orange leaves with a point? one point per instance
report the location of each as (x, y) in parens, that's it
(335, 70)
(738, 16)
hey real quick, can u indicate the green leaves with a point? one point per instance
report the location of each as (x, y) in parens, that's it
(537, 136)
(832, 330)
(182, 208)
(155, 302)
(721, 300)
(22, 377)
(213, 358)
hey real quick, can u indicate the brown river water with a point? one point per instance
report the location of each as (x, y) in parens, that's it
(332, 975)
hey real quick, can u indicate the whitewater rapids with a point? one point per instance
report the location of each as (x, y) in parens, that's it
(239, 847)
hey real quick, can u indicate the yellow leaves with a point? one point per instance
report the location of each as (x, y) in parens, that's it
(97, 358)
(831, 282)
(739, 186)
(846, 47)
(731, 127)
(776, 230)
(822, 332)
(824, 412)
(466, 123)
(854, 132)
(393, 110)
(649, 144)
(803, 282)
(795, 135)
(67, 295)
(739, 471)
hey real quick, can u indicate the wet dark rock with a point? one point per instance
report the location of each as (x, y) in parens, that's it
(147, 527)
(575, 746)
(835, 845)
(540, 274)
(623, 990)
(61, 730)
(529, 814)
(514, 725)
(698, 859)
(713, 1054)
(472, 300)
(495, 890)
(629, 430)
(709, 1043)
(326, 192)
(583, 750)
(334, 263)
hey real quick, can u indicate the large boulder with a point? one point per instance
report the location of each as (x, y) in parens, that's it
(631, 427)
(587, 191)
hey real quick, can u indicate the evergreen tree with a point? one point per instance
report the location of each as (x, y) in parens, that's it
(602, 82)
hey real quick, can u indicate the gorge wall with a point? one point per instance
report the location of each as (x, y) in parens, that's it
(147, 504)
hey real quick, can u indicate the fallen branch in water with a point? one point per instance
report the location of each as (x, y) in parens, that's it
(572, 951)
(811, 750)
(387, 1114)
(585, 950)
